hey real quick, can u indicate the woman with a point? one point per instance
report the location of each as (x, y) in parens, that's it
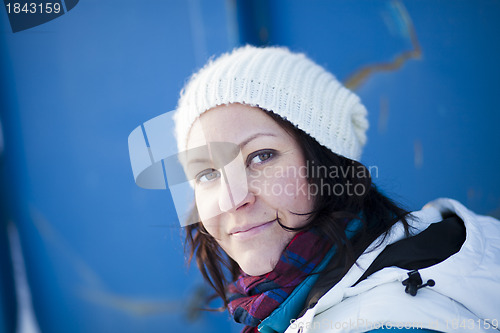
(290, 231)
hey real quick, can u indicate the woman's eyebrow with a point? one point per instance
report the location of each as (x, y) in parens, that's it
(240, 146)
(253, 137)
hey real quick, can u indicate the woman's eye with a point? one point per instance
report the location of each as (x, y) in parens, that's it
(261, 157)
(207, 176)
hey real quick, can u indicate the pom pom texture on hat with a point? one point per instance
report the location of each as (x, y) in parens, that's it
(288, 84)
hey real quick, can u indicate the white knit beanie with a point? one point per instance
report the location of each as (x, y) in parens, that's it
(288, 84)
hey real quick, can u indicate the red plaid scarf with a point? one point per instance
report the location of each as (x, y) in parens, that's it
(253, 298)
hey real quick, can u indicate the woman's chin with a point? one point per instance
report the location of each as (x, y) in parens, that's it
(254, 267)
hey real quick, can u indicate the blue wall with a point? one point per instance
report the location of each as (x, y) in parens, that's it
(98, 255)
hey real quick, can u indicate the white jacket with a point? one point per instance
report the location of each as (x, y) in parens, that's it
(466, 296)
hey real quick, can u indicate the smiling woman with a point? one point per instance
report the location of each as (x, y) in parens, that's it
(288, 250)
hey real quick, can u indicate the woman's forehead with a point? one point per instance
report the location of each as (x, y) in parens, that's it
(231, 123)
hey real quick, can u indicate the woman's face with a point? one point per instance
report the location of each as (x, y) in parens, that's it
(264, 177)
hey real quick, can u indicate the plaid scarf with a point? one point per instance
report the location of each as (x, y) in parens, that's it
(253, 298)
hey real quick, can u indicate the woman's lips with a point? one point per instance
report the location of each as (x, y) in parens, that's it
(252, 231)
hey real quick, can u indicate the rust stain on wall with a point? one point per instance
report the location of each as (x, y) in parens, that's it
(358, 77)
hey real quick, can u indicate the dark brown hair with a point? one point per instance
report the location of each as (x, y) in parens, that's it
(330, 214)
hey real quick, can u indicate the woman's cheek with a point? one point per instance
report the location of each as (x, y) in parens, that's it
(213, 227)
(282, 191)
(208, 208)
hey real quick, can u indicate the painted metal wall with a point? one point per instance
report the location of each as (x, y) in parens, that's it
(98, 257)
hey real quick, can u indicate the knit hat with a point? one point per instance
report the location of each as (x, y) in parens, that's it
(288, 84)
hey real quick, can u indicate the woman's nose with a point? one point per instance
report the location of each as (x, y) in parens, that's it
(233, 191)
